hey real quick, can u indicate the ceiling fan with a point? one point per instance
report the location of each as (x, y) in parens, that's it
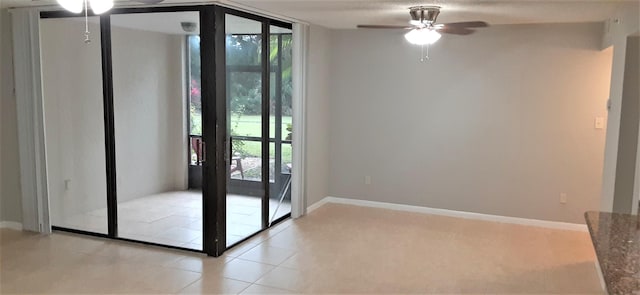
(424, 30)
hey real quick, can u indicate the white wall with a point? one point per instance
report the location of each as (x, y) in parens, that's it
(10, 192)
(629, 126)
(149, 114)
(317, 115)
(499, 122)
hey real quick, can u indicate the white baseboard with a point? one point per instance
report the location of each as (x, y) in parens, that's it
(318, 204)
(11, 225)
(451, 213)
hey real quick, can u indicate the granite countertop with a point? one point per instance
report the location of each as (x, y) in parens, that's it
(616, 238)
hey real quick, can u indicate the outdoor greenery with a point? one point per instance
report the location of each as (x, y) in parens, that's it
(244, 86)
(252, 126)
(195, 97)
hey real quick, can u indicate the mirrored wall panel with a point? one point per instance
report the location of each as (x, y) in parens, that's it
(74, 124)
(158, 127)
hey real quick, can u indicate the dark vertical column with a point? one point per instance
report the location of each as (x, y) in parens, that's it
(223, 147)
(265, 121)
(213, 98)
(109, 126)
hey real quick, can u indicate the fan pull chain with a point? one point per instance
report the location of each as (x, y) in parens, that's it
(424, 57)
(86, 24)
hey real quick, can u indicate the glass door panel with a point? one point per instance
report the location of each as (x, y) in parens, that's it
(158, 127)
(153, 104)
(245, 186)
(280, 121)
(74, 124)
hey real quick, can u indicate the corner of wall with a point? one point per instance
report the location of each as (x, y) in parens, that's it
(317, 115)
(624, 22)
(10, 191)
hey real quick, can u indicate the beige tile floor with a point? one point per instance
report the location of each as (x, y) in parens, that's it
(335, 249)
(174, 218)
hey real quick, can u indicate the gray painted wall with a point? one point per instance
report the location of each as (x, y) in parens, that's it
(499, 122)
(557, 57)
(10, 192)
(629, 125)
(317, 166)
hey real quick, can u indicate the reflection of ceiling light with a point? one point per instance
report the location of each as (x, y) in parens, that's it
(422, 36)
(75, 6)
(100, 6)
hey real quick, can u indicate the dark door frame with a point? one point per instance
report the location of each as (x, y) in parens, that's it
(214, 103)
(221, 101)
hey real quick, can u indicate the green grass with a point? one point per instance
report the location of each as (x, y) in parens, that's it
(252, 126)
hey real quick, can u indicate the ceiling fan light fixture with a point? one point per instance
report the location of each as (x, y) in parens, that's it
(422, 36)
(100, 6)
(74, 6)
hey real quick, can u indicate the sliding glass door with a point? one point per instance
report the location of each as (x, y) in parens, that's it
(280, 122)
(244, 87)
(258, 99)
(171, 127)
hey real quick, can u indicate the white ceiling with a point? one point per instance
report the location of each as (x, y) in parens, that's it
(170, 23)
(349, 13)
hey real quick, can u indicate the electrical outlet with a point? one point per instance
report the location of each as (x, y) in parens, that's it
(563, 198)
(367, 180)
(67, 184)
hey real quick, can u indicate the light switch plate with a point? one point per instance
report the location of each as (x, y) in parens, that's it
(563, 198)
(599, 123)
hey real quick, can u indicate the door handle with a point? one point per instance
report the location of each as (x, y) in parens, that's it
(203, 149)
